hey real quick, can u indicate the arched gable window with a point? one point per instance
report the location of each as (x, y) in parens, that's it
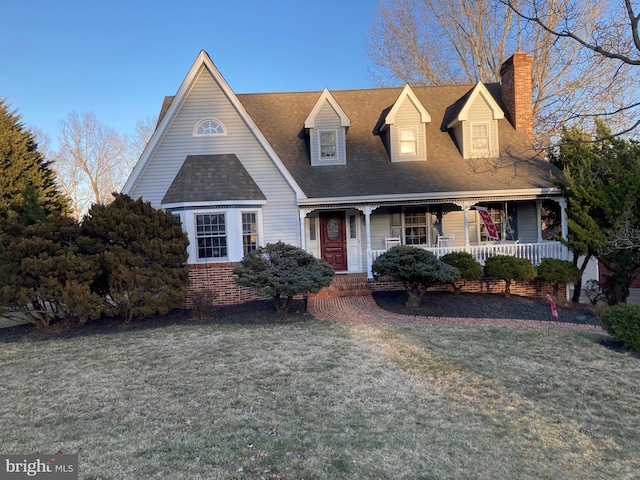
(208, 127)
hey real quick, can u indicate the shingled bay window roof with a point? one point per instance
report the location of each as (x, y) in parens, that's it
(212, 178)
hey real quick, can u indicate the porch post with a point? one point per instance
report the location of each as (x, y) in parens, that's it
(563, 214)
(465, 211)
(466, 206)
(539, 216)
(367, 227)
(303, 237)
(564, 224)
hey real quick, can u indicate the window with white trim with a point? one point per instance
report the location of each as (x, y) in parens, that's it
(415, 228)
(408, 140)
(249, 232)
(211, 236)
(480, 137)
(328, 144)
(209, 127)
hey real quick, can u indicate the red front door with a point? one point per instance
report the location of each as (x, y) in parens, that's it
(333, 240)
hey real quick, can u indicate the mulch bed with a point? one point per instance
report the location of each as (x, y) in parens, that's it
(480, 305)
(262, 312)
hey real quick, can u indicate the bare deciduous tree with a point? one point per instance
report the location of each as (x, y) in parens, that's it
(90, 161)
(431, 42)
(138, 140)
(611, 36)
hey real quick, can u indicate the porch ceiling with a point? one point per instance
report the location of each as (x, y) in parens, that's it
(360, 203)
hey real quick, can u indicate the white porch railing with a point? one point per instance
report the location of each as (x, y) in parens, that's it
(534, 252)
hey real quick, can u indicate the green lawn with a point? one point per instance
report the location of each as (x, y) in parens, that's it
(320, 400)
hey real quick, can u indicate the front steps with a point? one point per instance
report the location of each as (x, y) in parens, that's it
(349, 285)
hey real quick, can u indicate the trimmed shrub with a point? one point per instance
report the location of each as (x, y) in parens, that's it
(416, 268)
(282, 271)
(44, 275)
(623, 322)
(466, 264)
(557, 272)
(508, 268)
(142, 251)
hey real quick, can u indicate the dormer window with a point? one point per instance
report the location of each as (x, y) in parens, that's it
(405, 128)
(475, 124)
(209, 127)
(480, 137)
(328, 145)
(408, 140)
(327, 126)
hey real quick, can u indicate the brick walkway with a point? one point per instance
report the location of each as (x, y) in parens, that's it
(364, 309)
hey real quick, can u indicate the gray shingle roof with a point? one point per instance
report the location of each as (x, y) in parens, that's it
(212, 178)
(369, 171)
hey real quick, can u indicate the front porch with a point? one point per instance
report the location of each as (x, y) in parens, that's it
(351, 236)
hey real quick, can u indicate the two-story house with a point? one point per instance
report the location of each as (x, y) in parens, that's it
(347, 174)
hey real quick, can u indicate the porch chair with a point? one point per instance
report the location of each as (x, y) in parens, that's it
(391, 242)
(445, 240)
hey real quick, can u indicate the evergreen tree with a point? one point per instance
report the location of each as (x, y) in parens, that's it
(602, 186)
(43, 274)
(142, 252)
(23, 166)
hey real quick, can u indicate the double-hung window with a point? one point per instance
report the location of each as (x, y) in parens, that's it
(408, 140)
(211, 235)
(415, 228)
(328, 144)
(480, 137)
(249, 232)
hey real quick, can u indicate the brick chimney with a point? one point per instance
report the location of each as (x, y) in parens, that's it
(517, 91)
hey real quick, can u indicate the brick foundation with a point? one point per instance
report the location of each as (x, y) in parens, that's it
(533, 288)
(217, 278)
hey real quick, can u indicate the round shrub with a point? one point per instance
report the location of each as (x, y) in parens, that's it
(282, 271)
(508, 268)
(623, 322)
(557, 272)
(416, 268)
(466, 264)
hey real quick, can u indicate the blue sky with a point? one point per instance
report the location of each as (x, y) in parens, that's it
(119, 58)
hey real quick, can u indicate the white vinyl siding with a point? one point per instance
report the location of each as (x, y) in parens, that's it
(207, 100)
(407, 118)
(379, 229)
(327, 122)
(479, 114)
(453, 226)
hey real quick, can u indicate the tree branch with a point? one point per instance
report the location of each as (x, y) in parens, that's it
(573, 36)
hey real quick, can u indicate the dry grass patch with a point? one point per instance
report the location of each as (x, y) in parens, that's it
(322, 400)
